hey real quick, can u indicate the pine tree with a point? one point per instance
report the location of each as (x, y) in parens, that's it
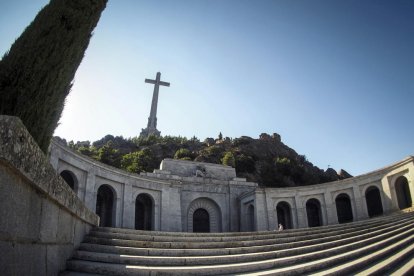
(36, 74)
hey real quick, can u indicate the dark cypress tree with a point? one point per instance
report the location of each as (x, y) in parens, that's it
(36, 74)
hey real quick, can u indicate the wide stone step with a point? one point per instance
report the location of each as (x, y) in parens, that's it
(396, 263)
(346, 263)
(276, 244)
(326, 236)
(406, 267)
(246, 257)
(302, 263)
(235, 236)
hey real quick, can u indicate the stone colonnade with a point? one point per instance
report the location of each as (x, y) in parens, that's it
(176, 198)
(354, 199)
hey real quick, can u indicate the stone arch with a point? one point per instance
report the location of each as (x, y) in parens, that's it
(373, 201)
(144, 212)
(403, 192)
(314, 212)
(212, 209)
(70, 178)
(250, 225)
(344, 208)
(106, 205)
(284, 215)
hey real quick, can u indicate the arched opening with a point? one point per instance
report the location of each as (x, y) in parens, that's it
(284, 216)
(144, 212)
(374, 203)
(403, 192)
(105, 207)
(69, 178)
(201, 221)
(344, 208)
(313, 212)
(214, 216)
(250, 218)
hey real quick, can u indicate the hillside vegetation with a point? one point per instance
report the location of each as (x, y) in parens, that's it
(266, 160)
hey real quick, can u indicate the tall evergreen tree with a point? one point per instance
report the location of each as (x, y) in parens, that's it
(36, 74)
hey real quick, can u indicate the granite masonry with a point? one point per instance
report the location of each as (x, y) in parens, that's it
(187, 196)
(42, 220)
(48, 204)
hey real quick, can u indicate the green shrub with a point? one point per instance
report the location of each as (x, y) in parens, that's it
(183, 153)
(228, 159)
(139, 161)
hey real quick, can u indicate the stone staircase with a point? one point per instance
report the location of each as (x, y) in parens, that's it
(379, 246)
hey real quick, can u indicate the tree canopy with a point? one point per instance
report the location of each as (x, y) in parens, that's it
(265, 160)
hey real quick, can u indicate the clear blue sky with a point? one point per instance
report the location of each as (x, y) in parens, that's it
(334, 78)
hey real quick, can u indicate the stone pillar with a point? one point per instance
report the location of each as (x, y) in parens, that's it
(361, 211)
(261, 211)
(171, 219)
(234, 212)
(128, 218)
(119, 207)
(410, 179)
(302, 220)
(90, 194)
(81, 189)
(271, 213)
(330, 207)
(389, 197)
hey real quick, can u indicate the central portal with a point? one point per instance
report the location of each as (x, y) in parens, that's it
(201, 221)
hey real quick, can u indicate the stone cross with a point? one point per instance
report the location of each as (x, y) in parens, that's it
(152, 120)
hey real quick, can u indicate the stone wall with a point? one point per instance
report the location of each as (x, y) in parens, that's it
(42, 221)
(236, 204)
(172, 191)
(354, 188)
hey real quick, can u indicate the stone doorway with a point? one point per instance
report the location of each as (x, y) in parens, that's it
(313, 212)
(201, 221)
(213, 211)
(250, 218)
(403, 193)
(284, 216)
(144, 212)
(374, 203)
(105, 206)
(344, 208)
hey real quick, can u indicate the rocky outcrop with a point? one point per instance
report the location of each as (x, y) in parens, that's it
(342, 174)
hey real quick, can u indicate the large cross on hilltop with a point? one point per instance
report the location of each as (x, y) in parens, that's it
(152, 120)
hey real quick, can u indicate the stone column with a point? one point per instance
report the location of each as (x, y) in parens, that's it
(271, 213)
(361, 211)
(128, 219)
(330, 207)
(90, 194)
(171, 219)
(261, 211)
(302, 220)
(389, 195)
(119, 211)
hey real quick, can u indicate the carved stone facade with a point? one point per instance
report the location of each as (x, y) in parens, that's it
(187, 196)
